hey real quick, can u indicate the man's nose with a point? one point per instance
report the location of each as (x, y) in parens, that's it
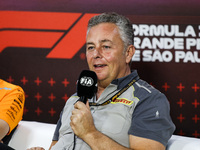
(97, 53)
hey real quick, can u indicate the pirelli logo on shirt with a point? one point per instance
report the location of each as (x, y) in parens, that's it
(122, 100)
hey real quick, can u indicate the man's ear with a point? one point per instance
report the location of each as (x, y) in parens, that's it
(129, 53)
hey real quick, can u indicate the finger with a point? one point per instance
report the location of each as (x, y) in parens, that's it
(87, 104)
(75, 111)
(75, 115)
(36, 148)
(72, 118)
(79, 105)
(73, 122)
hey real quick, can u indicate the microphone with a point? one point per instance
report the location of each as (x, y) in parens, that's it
(87, 85)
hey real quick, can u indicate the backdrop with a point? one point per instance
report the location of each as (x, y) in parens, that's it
(42, 49)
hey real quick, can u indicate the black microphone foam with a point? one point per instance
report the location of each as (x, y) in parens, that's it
(86, 85)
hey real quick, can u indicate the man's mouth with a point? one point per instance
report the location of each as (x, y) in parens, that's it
(99, 65)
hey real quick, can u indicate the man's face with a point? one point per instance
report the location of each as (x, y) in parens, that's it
(105, 53)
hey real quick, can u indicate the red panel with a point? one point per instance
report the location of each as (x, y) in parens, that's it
(73, 41)
(28, 39)
(37, 20)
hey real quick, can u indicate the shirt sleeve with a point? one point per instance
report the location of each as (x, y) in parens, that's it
(12, 105)
(56, 132)
(151, 119)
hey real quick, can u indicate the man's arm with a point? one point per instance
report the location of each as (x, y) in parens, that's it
(83, 126)
(99, 141)
(4, 129)
(139, 143)
(52, 144)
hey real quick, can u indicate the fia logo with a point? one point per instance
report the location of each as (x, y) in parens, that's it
(86, 81)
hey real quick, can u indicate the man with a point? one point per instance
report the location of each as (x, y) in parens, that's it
(12, 100)
(137, 116)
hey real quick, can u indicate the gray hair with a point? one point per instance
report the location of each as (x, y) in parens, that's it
(123, 23)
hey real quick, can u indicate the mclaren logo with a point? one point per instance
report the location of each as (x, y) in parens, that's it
(63, 33)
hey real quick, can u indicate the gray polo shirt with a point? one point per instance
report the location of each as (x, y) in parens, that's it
(141, 111)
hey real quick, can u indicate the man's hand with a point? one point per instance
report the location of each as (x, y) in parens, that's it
(41, 148)
(36, 148)
(4, 128)
(82, 120)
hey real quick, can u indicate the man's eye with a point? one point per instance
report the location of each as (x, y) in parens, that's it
(90, 47)
(106, 47)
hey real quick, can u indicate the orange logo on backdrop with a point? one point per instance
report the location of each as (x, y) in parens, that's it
(63, 33)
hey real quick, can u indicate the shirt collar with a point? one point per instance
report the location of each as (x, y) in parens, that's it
(121, 82)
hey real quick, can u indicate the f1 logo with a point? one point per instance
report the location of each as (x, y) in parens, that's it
(63, 33)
